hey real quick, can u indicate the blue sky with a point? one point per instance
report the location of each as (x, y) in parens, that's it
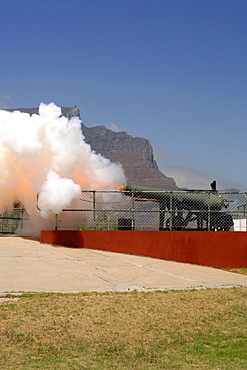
(171, 71)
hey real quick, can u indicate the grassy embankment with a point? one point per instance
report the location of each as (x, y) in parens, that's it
(197, 329)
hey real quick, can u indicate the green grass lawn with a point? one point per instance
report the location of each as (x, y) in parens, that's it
(199, 329)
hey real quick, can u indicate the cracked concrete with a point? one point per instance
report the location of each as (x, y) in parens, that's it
(28, 266)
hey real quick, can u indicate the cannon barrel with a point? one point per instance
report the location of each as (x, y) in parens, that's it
(184, 199)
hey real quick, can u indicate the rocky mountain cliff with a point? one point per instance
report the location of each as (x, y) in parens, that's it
(134, 153)
(68, 112)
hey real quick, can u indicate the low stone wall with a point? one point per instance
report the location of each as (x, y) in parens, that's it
(208, 248)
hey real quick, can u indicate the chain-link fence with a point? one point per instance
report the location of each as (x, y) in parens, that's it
(11, 220)
(155, 210)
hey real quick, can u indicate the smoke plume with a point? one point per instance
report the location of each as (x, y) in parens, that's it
(46, 153)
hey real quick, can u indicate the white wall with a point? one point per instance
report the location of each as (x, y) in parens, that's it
(240, 225)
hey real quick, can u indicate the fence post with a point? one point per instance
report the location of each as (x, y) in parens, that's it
(108, 219)
(245, 209)
(56, 221)
(209, 210)
(22, 215)
(133, 211)
(171, 211)
(94, 205)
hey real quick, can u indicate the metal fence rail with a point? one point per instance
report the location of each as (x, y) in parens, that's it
(168, 210)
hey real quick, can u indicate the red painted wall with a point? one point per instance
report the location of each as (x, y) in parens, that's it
(208, 248)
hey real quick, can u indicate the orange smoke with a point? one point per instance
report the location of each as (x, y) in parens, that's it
(120, 187)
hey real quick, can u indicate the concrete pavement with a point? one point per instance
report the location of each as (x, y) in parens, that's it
(28, 266)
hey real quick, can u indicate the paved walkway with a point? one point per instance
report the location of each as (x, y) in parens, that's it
(28, 266)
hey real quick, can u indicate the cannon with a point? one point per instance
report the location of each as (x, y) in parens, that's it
(204, 207)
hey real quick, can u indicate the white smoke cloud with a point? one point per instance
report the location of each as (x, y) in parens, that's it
(47, 153)
(54, 190)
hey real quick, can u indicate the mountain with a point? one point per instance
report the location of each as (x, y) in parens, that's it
(134, 153)
(68, 112)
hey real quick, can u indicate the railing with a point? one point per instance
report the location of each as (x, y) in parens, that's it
(168, 210)
(11, 220)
